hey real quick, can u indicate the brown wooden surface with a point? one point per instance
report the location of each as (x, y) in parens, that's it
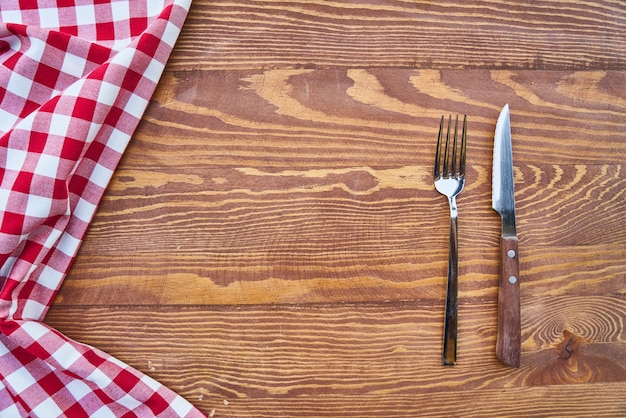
(272, 245)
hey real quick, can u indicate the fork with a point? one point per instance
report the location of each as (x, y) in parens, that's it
(449, 175)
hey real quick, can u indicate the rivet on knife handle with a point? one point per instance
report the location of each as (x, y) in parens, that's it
(508, 343)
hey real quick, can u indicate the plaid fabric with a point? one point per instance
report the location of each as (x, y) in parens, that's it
(75, 79)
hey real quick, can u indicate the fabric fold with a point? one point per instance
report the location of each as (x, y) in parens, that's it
(75, 80)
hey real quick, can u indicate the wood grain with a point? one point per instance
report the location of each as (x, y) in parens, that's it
(254, 278)
(342, 117)
(357, 351)
(255, 218)
(389, 345)
(403, 33)
(272, 244)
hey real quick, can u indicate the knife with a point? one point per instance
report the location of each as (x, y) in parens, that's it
(508, 341)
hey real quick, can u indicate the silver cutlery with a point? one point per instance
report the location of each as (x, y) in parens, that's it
(449, 179)
(508, 342)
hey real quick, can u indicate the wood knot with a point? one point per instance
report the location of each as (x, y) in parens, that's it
(569, 346)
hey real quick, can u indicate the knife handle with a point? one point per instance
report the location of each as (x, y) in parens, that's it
(508, 342)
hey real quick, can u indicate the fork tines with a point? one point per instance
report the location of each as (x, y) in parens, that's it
(447, 166)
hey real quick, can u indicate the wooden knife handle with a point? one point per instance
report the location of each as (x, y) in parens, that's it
(508, 342)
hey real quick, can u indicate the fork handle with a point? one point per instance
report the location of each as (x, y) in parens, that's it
(508, 342)
(450, 325)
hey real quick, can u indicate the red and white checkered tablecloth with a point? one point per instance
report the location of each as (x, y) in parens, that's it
(75, 79)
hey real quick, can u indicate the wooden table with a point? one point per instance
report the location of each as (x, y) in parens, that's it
(272, 245)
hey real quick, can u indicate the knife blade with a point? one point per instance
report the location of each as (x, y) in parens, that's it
(508, 341)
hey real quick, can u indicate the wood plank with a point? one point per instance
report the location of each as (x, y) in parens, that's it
(294, 119)
(381, 342)
(593, 400)
(402, 33)
(281, 354)
(271, 276)
(557, 205)
(301, 212)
